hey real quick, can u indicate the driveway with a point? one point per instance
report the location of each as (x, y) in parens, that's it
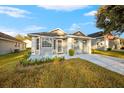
(111, 63)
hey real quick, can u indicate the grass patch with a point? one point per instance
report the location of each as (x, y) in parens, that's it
(118, 54)
(9, 61)
(70, 73)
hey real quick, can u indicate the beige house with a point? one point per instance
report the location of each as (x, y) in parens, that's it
(28, 43)
(9, 44)
(122, 43)
(58, 42)
(103, 41)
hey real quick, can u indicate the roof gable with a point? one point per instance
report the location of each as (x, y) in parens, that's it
(58, 31)
(8, 37)
(78, 33)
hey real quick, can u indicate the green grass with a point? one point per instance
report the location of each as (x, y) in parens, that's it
(70, 73)
(9, 61)
(109, 53)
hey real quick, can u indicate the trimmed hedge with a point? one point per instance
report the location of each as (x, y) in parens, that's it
(71, 52)
(109, 49)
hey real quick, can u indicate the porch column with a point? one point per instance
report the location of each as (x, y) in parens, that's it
(80, 46)
(88, 46)
(40, 45)
(69, 44)
(106, 43)
(33, 48)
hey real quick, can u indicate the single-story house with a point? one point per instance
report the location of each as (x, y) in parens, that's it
(28, 43)
(103, 41)
(9, 44)
(57, 42)
(122, 43)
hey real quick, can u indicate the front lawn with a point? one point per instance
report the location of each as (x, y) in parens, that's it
(9, 61)
(118, 54)
(70, 73)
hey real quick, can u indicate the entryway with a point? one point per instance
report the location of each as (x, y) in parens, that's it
(59, 45)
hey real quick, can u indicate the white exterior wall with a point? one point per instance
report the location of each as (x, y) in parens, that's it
(6, 47)
(43, 51)
(106, 43)
(46, 51)
(69, 43)
(88, 46)
(33, 48)
(83, 47)
(28, 43)
(9, 46)
(80, 44)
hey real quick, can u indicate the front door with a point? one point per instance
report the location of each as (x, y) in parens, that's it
(59, 46)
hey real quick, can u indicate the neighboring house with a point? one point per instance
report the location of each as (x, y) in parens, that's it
(58, 42)
(104, 41)
(8, 44)
(122, 43)
(28, 43)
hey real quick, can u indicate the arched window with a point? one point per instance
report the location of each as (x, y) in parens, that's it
(46, 42)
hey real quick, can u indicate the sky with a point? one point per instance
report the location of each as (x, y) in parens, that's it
(25, 19)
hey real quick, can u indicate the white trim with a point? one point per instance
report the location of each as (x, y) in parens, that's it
(83, 37)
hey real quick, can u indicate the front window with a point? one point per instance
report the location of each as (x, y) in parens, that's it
(46, 42)
(37, 42)
(16, 44)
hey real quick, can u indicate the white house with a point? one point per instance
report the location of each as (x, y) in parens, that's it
(57, 42)
(9, 44)
(103, 41)
(28, 43)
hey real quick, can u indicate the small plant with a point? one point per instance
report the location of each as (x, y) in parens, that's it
(71, 52)
(61, 59)
(109, 49)
(24, 62)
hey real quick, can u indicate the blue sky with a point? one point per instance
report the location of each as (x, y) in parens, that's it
(28, 19)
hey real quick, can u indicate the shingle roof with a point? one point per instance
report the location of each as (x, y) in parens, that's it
(97, 34)
(54, 33)
(5, 36)
(78, 33)
(46, 34)
(51, 33)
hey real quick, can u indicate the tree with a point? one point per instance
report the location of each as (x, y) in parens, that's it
(22, 37)
(19, 37)
(110, 18)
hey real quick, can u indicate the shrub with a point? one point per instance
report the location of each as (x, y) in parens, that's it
(43, 60)
(109, 49)
(71, 52)
(122, 47)
(16, 51)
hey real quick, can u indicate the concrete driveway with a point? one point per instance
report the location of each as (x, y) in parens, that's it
(111, 63)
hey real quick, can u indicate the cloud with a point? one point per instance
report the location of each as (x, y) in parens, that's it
(78, 26)
(23, 31)
(10, 31)
(63, 7)
(74, 27)
(91, 13)
(34, 28)
(13, 12)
